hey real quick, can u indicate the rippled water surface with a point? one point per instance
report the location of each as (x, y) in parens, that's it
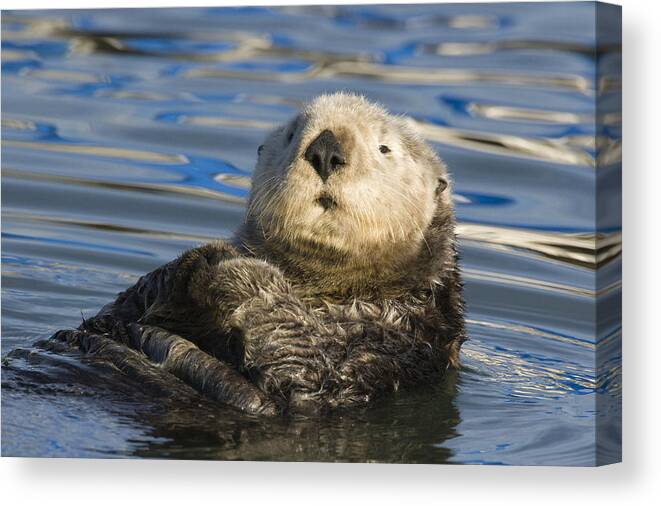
(130, 135)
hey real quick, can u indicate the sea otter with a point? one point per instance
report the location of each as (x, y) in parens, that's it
(341, 284)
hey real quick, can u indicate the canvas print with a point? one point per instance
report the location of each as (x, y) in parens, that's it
(357, 233)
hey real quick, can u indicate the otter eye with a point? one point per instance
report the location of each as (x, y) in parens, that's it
(260, 149)
(384, 149)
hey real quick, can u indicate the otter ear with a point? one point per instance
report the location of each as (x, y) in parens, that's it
(423, 152)
(441, 185)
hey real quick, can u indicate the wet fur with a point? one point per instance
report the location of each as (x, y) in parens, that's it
(306, 314)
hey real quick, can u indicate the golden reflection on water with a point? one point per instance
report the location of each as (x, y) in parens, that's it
(479, 48)
(247, 46)
(132, 186)
(557, 150)
(18, 124)
(219, 121)
(527, 282)
(609, 151)
(609, 84)
(234, 180)
(64, 75)
(134, 95)
(38, 28)
(587, 249)
(105, 226)
(471, 21)
(10, 55)
(103, 151)
(501, 112)
(510, 113)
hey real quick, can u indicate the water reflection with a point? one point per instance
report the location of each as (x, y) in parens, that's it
(590, 250)
(181, 424)
(474, 48)
(103, 151)
(246, 47)
(365, 435)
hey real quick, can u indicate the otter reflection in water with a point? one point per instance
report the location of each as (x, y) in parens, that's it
(341, 284)
(167, 419)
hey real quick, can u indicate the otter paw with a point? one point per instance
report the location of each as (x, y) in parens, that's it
(242, 279)
(230, 283)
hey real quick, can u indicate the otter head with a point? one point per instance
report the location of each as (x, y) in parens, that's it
(346, 182)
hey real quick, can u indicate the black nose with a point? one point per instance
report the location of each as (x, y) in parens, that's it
(324, 154)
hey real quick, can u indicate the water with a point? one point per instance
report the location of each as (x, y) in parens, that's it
(129, 136)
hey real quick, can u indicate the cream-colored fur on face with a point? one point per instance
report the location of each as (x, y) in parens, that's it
(385, 201)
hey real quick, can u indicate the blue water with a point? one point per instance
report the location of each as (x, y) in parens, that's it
(130, 135)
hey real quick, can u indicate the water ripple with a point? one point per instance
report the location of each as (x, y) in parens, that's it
(587, 249)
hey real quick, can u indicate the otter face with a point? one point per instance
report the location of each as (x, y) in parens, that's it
(346, 175)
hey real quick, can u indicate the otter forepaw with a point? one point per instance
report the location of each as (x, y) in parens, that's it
(236, 281)
(288, 360)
